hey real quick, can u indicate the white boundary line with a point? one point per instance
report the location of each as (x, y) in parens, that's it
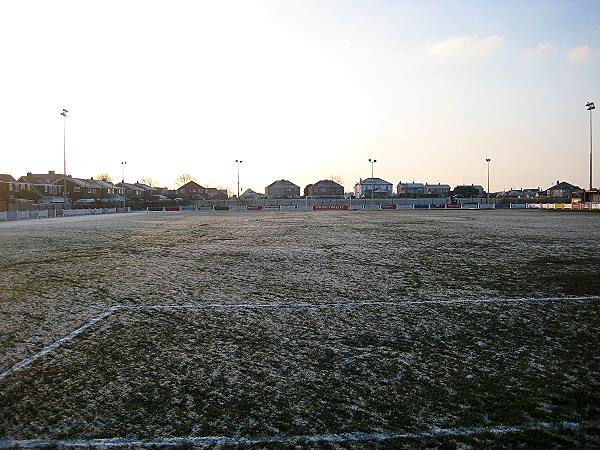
(73, 334)
(303, 305)
(58, 343)
(434, 432)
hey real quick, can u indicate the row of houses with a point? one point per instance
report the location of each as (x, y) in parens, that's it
(49, 188)
(379, 188)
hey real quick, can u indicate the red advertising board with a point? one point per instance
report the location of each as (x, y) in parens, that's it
(453, 206)
(254, 207)
(330, 207)
(388, 206)
(172, 208)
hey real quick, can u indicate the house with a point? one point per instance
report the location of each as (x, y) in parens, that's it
(324, 189)
(216, 194)
(437, 190)
(469, 190)
(249, 194)
(591, 195)
(410, 189)
(89, 188)
(512, 193)
(373, 187)
(44, 183)
(531, 192)
(146, 192)
(193, 191)
(282, 189)
(562, 189)
(131, 191)
(78, 188)
(7, 186)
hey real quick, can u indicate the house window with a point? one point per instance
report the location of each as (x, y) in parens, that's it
(77, 189)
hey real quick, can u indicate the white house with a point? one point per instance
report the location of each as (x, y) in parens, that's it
(375, 187)
(249, 194)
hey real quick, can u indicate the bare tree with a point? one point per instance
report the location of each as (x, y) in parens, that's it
(148, 181)
(229, 191)
(336, 178)
(104, 177)
(184, 179)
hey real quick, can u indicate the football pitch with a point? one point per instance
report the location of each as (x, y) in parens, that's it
(285, 330)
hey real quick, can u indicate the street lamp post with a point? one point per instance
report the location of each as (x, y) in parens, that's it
(238, 162)
(487, 160)
(64, 114)
(372, 161)
(590, 106)
(123, 163)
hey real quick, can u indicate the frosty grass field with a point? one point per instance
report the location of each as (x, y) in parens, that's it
(277, 330)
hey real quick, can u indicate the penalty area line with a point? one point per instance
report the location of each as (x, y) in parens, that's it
(304, 305)
(54, 345)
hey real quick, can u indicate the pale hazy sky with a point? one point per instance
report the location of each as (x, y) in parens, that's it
(301, 90)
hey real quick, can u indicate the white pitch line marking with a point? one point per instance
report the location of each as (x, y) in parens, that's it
(356, 304)
(58, 343)
(434, 432)
(53, 346)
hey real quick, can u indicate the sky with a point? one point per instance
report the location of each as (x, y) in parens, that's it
(302, 90)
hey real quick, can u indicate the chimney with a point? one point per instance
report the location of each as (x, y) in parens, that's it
(51, 172)
(29, 174)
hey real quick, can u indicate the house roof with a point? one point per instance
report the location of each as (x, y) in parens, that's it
(6, 177)
(282, 183)
(563, 185)
(439, 186)
(191, 184)
(374, 181)
(145, 187)
(130, 186)
(249, 191)
(42, 178)
(327, 183)
(411, 185)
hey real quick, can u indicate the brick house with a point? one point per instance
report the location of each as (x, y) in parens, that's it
(44, 184)
(324, 189)
(7, 186)
(282, 189)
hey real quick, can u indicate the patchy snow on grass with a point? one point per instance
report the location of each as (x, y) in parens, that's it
(279, 330)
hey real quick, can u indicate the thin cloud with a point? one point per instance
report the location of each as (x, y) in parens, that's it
(580, 55)
(537, 53)
(467, 46)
